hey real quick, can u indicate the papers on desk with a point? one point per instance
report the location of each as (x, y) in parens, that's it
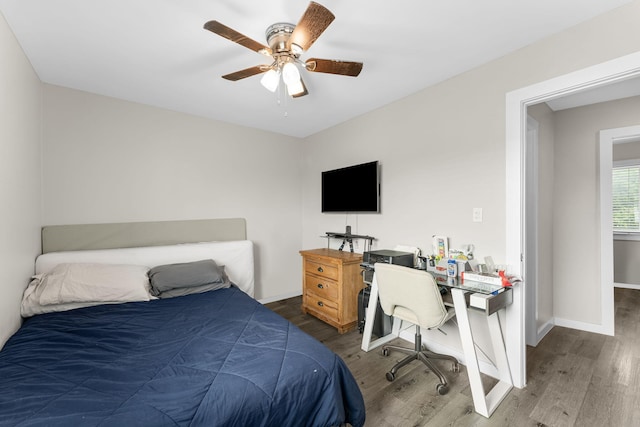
(501, 279)
(467, 285)
(483, 278)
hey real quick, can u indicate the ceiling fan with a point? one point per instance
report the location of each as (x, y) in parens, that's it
(286, 43)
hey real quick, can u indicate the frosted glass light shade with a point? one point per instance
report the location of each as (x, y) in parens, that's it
(290, 74)
(295, 88)
(270, 80)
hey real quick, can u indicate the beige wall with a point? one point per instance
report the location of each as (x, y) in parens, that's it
(443, 152)
(107, 160)
(20, 118)
(626, 265)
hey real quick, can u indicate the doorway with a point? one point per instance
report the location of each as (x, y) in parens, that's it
(608, 138)
(620, 69)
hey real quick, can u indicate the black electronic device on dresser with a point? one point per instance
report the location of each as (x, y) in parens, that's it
(382, 322)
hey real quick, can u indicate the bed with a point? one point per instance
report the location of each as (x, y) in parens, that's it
(209, 357)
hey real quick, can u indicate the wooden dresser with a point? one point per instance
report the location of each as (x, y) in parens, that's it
(331, 281)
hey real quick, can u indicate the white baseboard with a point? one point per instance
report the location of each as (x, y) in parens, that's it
(280, 297)
(544, 330)
(627, 286)
(582, 326)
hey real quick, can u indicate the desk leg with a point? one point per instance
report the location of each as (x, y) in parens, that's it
(367, 344)
(485, 404)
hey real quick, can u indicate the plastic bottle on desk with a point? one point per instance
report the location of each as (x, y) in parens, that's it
(452, 268)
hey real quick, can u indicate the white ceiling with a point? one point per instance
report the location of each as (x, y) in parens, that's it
(156, 52)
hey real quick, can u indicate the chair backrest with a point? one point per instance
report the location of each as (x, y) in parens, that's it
(410, 295)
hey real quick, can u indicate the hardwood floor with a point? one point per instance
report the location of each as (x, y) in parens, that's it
(574, 378)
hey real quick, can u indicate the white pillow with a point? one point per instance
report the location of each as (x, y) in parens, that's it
(31, 301)
(71, 283)
(236, 256)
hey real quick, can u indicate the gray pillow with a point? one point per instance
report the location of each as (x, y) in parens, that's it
(178, 292)
(188, 275)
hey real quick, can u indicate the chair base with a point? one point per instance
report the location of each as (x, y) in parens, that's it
(420, 353)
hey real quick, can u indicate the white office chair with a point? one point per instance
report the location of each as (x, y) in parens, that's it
(413, 296)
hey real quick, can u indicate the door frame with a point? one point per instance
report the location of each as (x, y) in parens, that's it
(517, 101)
(530, 273)
(608, 137)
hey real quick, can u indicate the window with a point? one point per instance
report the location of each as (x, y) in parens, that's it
(626, 198)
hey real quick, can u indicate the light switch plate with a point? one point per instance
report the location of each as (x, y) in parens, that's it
(477, 214)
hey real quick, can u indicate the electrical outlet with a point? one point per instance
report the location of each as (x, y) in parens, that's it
(477, 214)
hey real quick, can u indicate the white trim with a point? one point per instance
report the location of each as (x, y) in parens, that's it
(629, 235)
(544, 330)
(531, 241)
(516, 102)
(581, 326)
(605, 155)
(626, 163)
(627, 286)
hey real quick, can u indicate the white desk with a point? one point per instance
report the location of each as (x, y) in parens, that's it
(485, 403)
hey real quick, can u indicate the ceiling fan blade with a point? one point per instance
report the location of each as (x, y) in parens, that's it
(314, 21)
(236, 37)
(247, 72)
(304, 92)
(331, 66)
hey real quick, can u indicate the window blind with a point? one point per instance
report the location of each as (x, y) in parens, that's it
(626, 198)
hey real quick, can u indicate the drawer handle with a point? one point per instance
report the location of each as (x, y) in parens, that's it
(320, 286)
(320, 269)
(320, 303)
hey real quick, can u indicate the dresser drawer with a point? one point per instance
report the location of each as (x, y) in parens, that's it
(329, 271)
(321, 305)
(323, 288)
(331, 281)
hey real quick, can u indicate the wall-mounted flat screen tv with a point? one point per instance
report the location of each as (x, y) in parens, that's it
(352, 189)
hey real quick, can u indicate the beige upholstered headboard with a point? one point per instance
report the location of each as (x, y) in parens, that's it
(80, 237)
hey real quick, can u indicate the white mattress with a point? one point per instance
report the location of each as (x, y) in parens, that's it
(236, 256)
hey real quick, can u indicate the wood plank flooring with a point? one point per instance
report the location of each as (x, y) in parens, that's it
(574, 378)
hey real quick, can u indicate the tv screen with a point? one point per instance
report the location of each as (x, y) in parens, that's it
(351, 189)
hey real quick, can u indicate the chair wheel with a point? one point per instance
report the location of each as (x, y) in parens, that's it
(390, 376)
(385, 352)
(442, 389)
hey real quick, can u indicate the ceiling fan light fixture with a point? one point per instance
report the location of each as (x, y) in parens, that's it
(286, 43)
(296, 49)
(295, 88)
(270, 80)
(290, 74)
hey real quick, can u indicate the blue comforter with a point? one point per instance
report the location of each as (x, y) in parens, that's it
(214, 359)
